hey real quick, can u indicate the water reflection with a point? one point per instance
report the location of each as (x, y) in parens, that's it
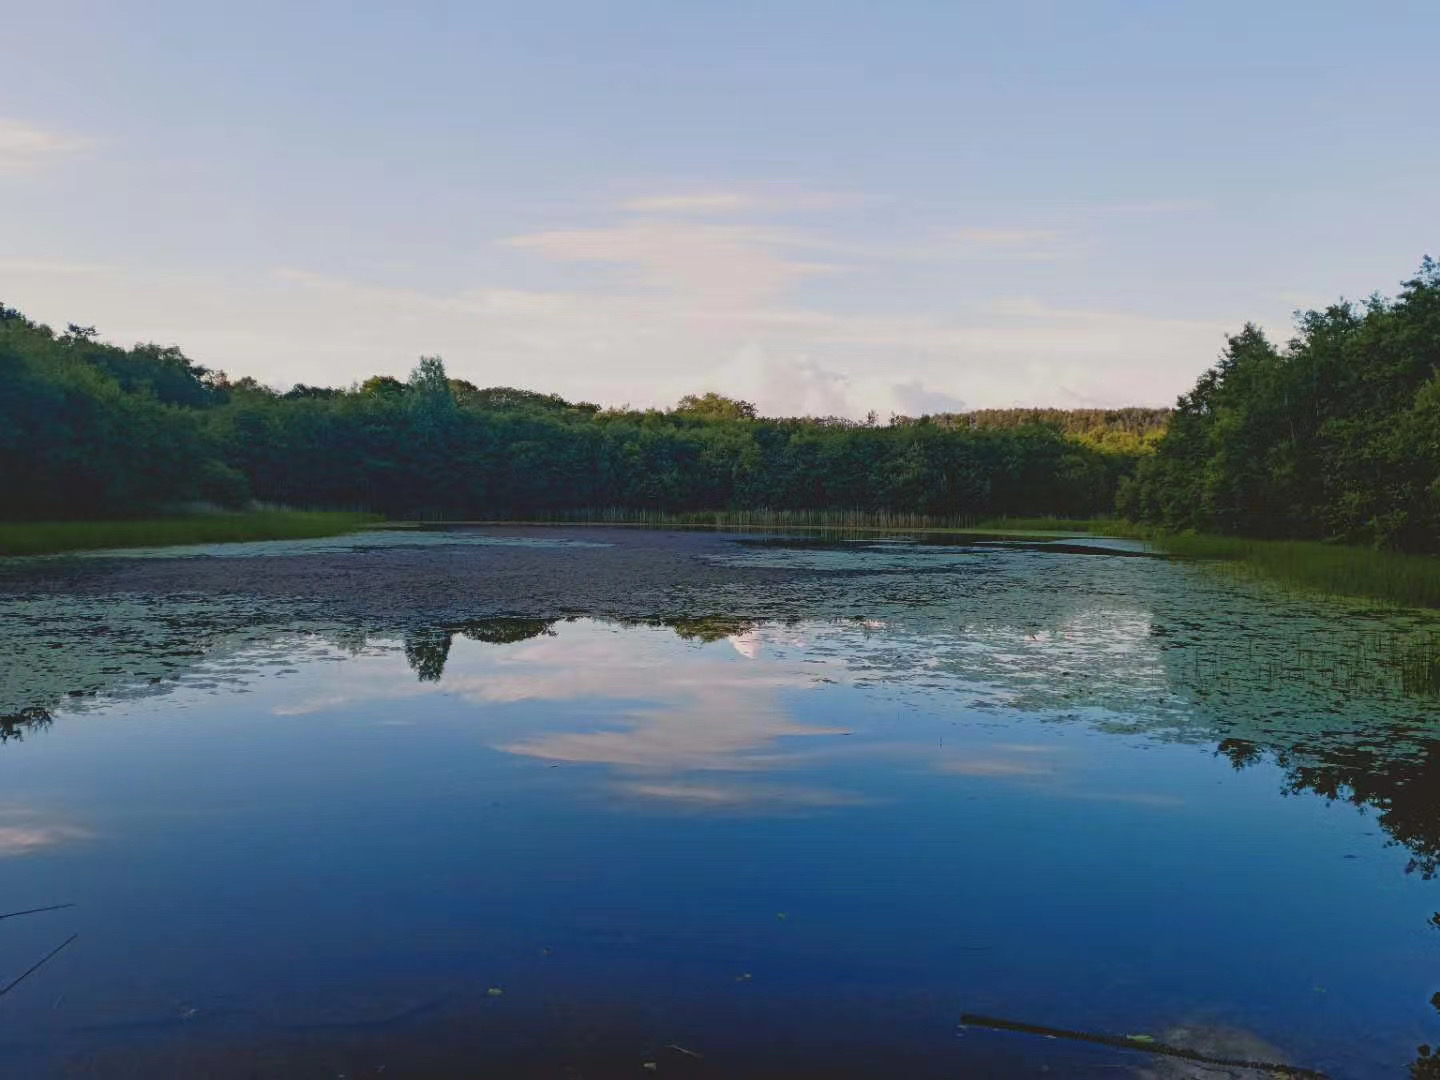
(1346, 714)
(15, 725)
(25, 830)
(1052, 692)
(426, 650)
(1402, 791)
(1287, 705)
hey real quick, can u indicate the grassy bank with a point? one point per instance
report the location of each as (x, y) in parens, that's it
(50, 537)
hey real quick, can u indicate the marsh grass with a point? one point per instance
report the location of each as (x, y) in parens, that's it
(1364, 663)
(771, 519)
(1092, 526)
(849, 521)
(1335, 569)
(1338, 569)
(51, 537)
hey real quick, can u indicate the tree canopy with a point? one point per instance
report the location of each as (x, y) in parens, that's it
(1335, 434)
(91, 429)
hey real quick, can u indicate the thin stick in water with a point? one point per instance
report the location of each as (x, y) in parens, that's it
(39, 964)
(1144, 1046)
(35, 910)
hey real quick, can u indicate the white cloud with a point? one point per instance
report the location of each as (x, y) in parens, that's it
(24, 147)
(800, 385)
(914, 398)
(795, 385)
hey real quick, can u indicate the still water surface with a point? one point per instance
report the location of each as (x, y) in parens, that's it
(1081, 790)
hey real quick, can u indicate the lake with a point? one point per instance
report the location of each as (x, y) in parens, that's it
(604, 802)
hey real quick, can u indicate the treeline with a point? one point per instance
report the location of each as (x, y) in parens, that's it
(1335, 434)
(89, 429)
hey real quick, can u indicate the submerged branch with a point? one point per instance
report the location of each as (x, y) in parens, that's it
(38, 965)
(35, 910)
(1131, 1042)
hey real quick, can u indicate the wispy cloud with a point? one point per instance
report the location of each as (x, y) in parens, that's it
(51, 266)
(1131, 798)
(1148, 208)
(24, 147)
(713, 264)
(768, 797)
(16, 840)
(721, 297)
(662, 299)
(1009, 243)
(24, 831)
(992, 767)
(707, 201)
(702, 202)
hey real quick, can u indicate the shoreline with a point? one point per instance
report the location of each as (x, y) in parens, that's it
(26, 538)
(1332, 569)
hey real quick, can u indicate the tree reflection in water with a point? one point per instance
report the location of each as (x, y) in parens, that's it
(1389, 768)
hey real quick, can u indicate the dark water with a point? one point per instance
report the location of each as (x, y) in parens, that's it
(1085, 791)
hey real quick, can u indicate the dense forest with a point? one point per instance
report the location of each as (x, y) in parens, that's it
(1335, 434)
(90, 430)
(1132, 431)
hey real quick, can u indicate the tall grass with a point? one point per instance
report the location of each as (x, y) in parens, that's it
(767, 519)
(1091, 526)
(1342, 570)
(1336, 569)
(846, 520)
(50, 537)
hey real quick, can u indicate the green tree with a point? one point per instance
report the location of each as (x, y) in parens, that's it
(713, 406)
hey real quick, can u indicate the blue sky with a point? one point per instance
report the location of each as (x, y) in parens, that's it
(824, 207)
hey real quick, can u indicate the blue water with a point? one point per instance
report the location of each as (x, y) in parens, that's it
(807, 847)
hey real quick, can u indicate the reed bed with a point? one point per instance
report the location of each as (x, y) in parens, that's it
(848, 520)
(1338, 569)
(1332, 568)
